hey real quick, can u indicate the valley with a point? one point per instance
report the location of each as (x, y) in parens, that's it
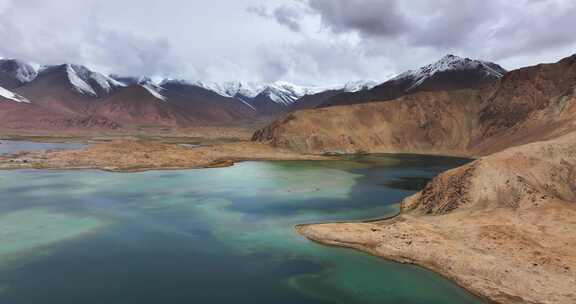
(288, 152)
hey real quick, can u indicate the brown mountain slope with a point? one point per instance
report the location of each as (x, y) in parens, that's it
(314, 100)
(29, 117)
(502, 226)
(135, 106)
(433, 123)
(53, 91)
(529, 104)
(526, 105)
(206, 106)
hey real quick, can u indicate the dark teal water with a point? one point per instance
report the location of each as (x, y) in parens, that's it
(208, 236)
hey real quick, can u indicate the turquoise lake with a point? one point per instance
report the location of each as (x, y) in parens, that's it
(208, 236)
(13, 146)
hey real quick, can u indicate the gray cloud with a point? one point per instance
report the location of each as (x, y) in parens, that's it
(543, 25)
(451, 24)
(81, 38)
(131, 54)
(492, 29)
(367, 17)
(303, 41)
(288, 16)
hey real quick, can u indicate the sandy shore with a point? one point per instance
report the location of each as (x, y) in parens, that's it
(503, 226)
(140, 155)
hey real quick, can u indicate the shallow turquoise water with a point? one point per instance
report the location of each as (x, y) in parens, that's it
(12, 146)
(208, 236)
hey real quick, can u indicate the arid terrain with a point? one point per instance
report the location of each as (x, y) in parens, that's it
(148, 154)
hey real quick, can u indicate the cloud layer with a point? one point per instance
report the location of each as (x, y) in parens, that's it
(303, 41)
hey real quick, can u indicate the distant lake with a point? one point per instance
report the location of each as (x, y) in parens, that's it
(12, 146)
(208, 236)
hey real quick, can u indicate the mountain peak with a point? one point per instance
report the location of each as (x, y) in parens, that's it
(359, 85)
(451, 63)
(85, 81)
(19, 72)
(449, 57)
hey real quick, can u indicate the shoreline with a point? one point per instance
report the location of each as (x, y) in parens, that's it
(299, 229)
(393, 259)
(500, 227)
(136, 155)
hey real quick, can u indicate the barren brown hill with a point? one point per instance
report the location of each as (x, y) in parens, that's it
(52, 91)
(135, 105)
(502, 226)
(29, 117)
(206, 106)
(432, 123)
(526, 105)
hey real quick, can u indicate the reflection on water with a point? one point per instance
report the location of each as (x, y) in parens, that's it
(207, 236)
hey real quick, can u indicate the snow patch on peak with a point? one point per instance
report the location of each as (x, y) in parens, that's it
(176, 81)
(21, 71)
(78, 82)
(12, 96)
(359, 85)
(233, 88)
(88, 82)
(154, 90)
(281, 92)
(450, 63)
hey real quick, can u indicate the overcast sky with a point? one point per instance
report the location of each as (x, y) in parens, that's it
(311, 42)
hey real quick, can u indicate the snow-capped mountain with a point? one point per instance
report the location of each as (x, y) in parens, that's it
(152, 87)
(360, 85)
(85, 81)
(280, 92)
(233, 88)
(449, 73)
(453, 64)
(11, 96)
(76, 90)
(14, 73)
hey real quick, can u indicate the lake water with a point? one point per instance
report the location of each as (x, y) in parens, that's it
(13, 146)
(208, 236)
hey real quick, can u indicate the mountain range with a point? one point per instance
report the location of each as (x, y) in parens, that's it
(74, 96)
